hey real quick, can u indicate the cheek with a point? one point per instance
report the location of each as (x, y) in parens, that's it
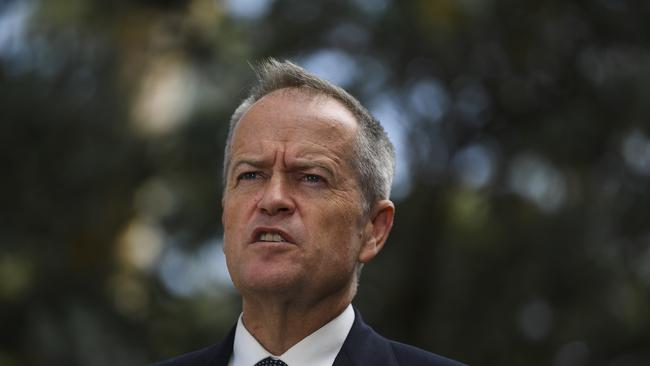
(232, 228)
(235, 209)
(346, 219)
(341, 226)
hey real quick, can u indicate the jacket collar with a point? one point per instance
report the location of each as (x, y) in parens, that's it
(364, 346)
(223, 350)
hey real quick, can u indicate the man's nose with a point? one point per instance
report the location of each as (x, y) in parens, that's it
(276, 197)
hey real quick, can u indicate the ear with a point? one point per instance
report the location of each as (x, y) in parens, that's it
(376, 230)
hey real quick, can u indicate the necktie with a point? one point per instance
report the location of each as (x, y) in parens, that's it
(270, 362)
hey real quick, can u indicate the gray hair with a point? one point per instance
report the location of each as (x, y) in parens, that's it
(374, 155)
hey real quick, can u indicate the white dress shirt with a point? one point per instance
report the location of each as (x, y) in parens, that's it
(317, 349)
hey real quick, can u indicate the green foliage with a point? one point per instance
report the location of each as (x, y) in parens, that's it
(522, 231)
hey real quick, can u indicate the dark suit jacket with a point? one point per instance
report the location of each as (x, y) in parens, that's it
(362, 347)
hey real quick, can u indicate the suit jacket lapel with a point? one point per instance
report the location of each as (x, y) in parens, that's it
(223, 351)
(364, 347)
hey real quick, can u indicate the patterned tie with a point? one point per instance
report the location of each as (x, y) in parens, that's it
(270, 362)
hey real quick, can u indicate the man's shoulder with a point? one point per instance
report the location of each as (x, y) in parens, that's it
(216, 354)
(364, 344)
(198, 357)
(410, 355)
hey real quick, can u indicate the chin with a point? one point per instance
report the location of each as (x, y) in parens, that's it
(275, 282)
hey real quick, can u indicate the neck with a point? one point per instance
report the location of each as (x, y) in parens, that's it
(278, 325)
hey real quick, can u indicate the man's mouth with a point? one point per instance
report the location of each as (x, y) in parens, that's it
(271, 237)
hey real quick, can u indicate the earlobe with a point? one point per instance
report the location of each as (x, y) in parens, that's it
(377, 229)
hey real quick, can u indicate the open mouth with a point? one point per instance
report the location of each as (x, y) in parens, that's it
(265, 235)
(271, 237)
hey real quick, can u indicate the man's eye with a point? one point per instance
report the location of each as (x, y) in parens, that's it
(248, 176)
(312, 178)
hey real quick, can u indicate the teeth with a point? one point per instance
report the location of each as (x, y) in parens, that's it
(271, 237)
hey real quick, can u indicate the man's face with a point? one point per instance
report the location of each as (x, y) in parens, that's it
(293, 216)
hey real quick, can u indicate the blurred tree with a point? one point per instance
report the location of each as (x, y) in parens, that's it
(523, 144)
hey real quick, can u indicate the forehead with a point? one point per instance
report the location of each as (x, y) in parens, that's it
(295, 117)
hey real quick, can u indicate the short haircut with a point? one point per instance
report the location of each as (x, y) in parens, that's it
(374, 154)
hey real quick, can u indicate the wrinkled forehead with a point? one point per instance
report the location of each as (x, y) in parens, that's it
(304, 101)
(295, 115)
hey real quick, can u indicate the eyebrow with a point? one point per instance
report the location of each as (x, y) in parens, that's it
(256, 163)
(301, 164)
(297, 164)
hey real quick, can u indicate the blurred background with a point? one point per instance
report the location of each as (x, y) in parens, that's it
(522, 234)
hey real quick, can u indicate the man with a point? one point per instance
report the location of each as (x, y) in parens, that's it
(307, 175)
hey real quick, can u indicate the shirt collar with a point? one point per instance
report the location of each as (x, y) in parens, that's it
(317, 349)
